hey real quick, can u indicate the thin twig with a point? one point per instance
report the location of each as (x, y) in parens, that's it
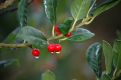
(56, 37)
(73, 26)
(2, 45)
(63, 39)
(85, 22)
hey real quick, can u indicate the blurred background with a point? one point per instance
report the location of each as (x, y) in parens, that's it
(72, 64)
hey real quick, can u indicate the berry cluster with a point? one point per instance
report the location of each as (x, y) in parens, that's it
(52, 48)
(58, 32)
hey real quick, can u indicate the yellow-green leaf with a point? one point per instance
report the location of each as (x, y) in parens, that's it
(105, 6)
(108, 54)
(80, 8)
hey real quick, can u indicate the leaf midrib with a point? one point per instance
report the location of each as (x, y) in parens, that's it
(78, 12)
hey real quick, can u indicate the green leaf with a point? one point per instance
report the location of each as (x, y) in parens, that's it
(94, 58)
(105, 6)
(48, 75)
(81, 35)
(105, 77)
(50, 10)
(108, 54)
(9, 63)
(79, 9)
(64, 27)
(11, 38)
(117, 56)
(22, 12)
(33, 36)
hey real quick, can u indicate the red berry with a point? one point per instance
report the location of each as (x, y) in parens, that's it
(58, 48)
(36, 53)
(57, 31)
(51, 48)
(68, 34)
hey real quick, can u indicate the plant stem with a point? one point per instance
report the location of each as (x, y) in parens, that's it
(85, 22)
(2, 45)
(91, 8)
(73, 26)
(56, 37)
(53, 33)
(116, 74)
(63, 39)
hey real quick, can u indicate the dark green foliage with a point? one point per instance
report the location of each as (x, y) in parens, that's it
(80, 10)
(64, 27)
(81, 35)
(108, 4)
(94, 58)
(33, 36)
(22, 12)
(9, 63)
(105, 77)
(50, 10)
(112, 59)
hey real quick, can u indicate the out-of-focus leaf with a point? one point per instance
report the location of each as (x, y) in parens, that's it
(64, 28)
(48, 75)
(33, 36)
(9, 63)
(105, 77)
(119, 35)
(105, 6)
(94, 58)
(80, 8)
(11, 38)
(22, 12)
(50, 10)
(117, 56)
(81, 35)
(108, 54)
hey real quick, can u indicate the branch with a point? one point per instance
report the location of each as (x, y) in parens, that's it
(4, 45)
(56, 37)
(85, 22)
(12, 9)
(6, 4)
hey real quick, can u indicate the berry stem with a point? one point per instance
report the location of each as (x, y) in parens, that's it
(85, 22)
(55, 37)
(73, 26)
(63, 39)
(53, 33)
